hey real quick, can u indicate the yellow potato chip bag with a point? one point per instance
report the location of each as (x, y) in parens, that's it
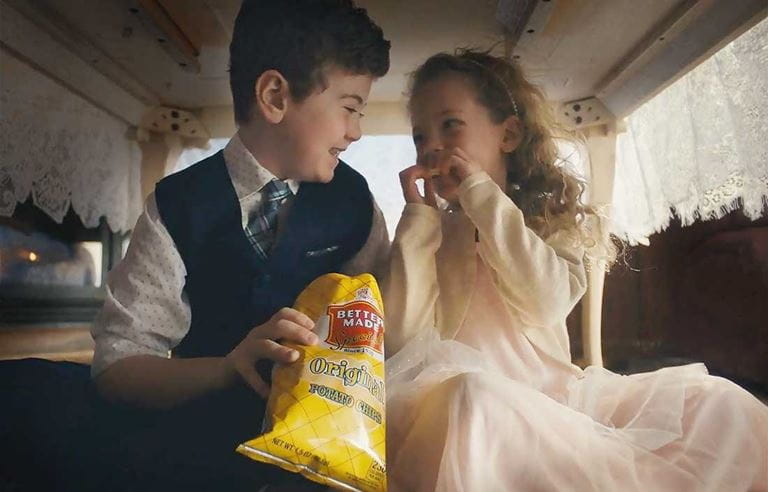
(326, 410)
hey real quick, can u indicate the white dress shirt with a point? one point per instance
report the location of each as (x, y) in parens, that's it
(146, 310)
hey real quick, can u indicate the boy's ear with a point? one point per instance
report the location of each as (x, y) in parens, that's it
(513, 134)
(271, 96)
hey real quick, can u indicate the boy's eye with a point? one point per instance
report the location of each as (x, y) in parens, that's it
(354, 111)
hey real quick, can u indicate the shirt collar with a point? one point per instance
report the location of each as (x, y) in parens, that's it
(248, 176)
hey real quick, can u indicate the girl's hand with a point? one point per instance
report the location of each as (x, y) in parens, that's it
(411, 193)
(447, 169)
(453, 163)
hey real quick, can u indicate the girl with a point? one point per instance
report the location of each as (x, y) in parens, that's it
(482, 394)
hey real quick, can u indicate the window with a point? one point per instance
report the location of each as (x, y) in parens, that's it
(380, 158)
(52, 272)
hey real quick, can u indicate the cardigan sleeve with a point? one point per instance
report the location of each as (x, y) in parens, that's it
(410, 288)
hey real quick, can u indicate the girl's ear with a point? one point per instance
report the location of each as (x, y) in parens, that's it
(271, 96)
(513, 134)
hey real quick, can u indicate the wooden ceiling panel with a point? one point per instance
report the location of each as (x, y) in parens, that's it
(575, 48)
(582, 41)
(198, 21)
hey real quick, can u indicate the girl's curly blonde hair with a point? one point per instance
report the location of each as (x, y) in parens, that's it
(548, 194)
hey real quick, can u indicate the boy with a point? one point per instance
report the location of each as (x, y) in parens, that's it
(224, 247)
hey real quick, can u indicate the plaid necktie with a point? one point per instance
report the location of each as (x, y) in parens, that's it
(261, 226)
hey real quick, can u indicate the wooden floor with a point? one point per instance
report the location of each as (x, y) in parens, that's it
(65, 341)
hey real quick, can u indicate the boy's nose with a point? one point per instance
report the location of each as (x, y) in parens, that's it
(353, 131)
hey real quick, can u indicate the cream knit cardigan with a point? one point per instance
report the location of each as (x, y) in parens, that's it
(433, 268)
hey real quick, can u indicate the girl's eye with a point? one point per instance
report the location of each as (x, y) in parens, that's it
(451, 123)
(417, 139)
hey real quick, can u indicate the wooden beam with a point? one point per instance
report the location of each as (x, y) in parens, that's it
(682, 16)
(381, 118)
(199, 22)
(171, 37)
(514, 16)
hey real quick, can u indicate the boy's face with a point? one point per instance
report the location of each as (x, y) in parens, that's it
(323, 125)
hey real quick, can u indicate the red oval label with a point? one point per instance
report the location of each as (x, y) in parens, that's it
(354, 325)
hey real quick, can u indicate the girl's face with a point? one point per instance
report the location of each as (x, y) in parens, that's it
(445, 113)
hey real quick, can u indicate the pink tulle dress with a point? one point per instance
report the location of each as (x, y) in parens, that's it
(487, 411)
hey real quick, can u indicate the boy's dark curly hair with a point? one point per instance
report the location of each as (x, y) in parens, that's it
(301, 39)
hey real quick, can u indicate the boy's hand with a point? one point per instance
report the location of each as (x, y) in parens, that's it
(408, 178)
(263, 342)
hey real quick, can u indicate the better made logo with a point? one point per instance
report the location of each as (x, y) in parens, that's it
(357, 324)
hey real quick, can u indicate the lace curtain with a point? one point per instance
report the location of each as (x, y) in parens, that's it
(699, 149)
(63, 151)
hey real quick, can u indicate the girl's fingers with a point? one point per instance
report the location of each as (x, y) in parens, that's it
(447, 166)
(408, 179)
(456, 163)
(462, 154)
(429, 192)
(411, 192)
(426, 160)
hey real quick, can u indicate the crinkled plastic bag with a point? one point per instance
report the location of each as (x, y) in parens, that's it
(326, 410)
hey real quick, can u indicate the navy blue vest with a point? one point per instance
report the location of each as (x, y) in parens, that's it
(230, 289)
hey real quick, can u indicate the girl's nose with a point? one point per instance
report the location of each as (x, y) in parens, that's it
(433, 145)
(428, 156)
